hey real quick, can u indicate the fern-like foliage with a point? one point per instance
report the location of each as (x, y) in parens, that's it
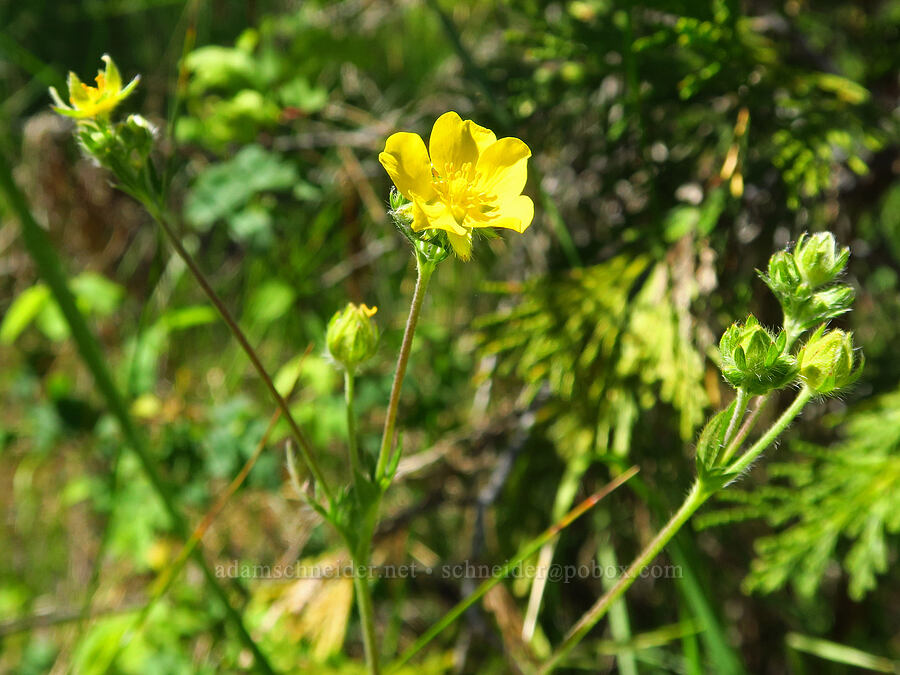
(847, 494)
(606, 341)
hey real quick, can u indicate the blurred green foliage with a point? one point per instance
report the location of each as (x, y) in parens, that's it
(676, 143)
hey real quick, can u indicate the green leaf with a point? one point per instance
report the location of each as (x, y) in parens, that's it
(270, 302)
(182, 318)
(712, 437)
(225, 188)
(219, 67)
(252, 224)
(97, 294)
(298, 93)
(23, 310)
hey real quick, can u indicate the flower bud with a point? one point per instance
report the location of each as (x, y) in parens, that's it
(818, 259)
(784, 277)
(137, 135)
(830, 303)
(802, 281)
(397, 200)
(430, 244)
(754, 360)
(352, 335)
(827, 361)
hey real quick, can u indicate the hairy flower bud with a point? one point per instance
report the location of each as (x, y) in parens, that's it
(754, 360)
(784, 277)
(431, 244)
(827, 361)
(352, 335)
(818, 259)
(137, 135)
(803, 282)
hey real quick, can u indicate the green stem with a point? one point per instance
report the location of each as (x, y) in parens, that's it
(524, 553)
(424, 269)
(740, 407)
(748, 425)
(306, 449)
(352, 447)
(773, 432)
(696, 497)
(366, 616)
(732, 447)
(51, 270)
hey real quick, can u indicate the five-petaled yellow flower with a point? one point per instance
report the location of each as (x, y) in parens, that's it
(92, 102)
(470, 180)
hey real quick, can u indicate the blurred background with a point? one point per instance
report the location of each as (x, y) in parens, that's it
(676, 145)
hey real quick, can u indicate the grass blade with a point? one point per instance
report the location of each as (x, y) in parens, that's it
(838, 653)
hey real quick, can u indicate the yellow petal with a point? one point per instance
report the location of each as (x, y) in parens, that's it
(484, 138)
(420, 220)
(452, 142)
(112, 77)
(406, 161)
(514, 214)
(77, 91)
(436, 214)
(461, 243)
(504, 167)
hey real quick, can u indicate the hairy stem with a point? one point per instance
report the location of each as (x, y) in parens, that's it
(352, 447)
(747, 427)
(306, 449)
(772, 432)
(740, 407)
(366, 616)
(425, 270)
(695, 499)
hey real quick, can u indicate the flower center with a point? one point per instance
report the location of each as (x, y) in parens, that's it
(460, 188)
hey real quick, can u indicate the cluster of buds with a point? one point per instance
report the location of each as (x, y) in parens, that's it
(352, 336)
(803, 282)
(828, 362)
(125, 146)
(754, 360)
(432, 245)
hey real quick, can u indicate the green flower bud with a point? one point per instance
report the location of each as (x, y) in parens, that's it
(137, 135)
(754, 360)
(99, 141)
(352, 335)
(827, 361)
(784, 277)
(397, 200)
(430, 244)
(831, 302)
(818, 259)
(802, 281)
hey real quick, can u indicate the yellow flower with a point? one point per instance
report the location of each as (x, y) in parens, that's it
(467, 179)
(99, 101)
